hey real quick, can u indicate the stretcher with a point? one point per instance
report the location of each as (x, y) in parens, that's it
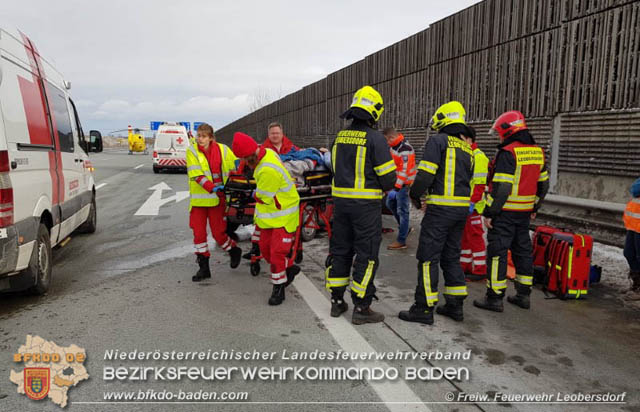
(316, 208)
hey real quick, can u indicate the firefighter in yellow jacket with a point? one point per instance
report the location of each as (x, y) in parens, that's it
(277, 212)
(473, 255)
(208, 166)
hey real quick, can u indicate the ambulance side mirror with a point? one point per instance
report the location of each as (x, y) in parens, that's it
(95, 141)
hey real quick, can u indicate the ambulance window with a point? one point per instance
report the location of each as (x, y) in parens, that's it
(61, 118)
(82, 142)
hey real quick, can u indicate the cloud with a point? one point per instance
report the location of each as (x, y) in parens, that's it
(196, 108)
(136, 61)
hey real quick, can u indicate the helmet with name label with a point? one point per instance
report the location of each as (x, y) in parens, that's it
(448, 113)
(508, 123)
(368, 99)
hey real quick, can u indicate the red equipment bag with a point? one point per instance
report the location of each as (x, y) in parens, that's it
(568, 265)
(541, 239)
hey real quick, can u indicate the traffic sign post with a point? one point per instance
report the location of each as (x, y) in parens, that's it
(156, 125)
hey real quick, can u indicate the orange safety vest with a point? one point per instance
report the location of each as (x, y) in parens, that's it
(529, 164)
(631, 215)
(405, 159)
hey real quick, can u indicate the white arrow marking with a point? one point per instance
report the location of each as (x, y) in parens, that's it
(151, 207)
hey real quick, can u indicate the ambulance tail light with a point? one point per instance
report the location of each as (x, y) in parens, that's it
(4, 161)
(6, 206)
(6, 191)
(155, 154)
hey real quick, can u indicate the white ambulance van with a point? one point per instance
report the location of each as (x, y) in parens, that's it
(47, 188)
(170, 148)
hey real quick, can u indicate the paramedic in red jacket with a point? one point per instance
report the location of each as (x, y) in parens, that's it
(398, 199)
(519, 183)
(473, 255)
(277, 141)
(208, 165)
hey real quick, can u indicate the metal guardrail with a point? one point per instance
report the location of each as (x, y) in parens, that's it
(602, 220)
(585, 203)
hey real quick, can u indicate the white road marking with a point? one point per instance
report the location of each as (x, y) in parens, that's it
(139, 166)
(101, 185)
(345, 334)
(151, 207)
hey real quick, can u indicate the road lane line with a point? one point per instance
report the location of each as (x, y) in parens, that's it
(346, 335)
(101, 185)
(139, 166)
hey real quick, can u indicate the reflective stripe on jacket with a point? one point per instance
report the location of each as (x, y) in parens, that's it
(480, 173)
(632, 215)
(529, 170)
(450, 160)
(278, 199)
(405, 159)
(198, 165)
(362, 164)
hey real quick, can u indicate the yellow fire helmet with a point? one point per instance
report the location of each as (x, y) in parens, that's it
(448, 113)
(368, 99)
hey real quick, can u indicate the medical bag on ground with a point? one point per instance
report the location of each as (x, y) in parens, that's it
(568, 265)
(541, 239)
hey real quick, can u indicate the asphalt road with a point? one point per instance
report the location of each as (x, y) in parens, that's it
(128, 287)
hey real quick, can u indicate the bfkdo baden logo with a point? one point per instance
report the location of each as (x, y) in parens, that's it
(49, 370)
(36, 382)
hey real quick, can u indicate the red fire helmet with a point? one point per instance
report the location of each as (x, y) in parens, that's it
(508, 123)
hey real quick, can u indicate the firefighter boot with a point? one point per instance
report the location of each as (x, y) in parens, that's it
(452, 308)
(338, 305)
(204, 272)
(363, 314)
(634, 291)
(292, 271)
(419, 314)
(277, 295)
(492, 301)
(235, 253)
(521, 298)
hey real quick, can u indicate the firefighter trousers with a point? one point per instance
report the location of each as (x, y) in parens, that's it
(355, 242)
(439, 247)
(275, 246)
(510, 232)
(198, 218)
(473, 255)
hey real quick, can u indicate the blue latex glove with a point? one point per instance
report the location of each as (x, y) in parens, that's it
(253, 194)
(392, 195)
(217, 188)
(237, 163)
(472, 206)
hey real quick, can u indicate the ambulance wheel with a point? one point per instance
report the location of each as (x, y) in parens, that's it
(328, 261)
(255, 269)
(90, 225)
(39, 267)
(299, 256)
(156, 170)
(130, 152)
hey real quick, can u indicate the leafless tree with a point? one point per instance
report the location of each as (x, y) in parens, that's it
(262, 96)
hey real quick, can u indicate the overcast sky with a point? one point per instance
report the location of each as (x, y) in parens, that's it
(131, 61)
